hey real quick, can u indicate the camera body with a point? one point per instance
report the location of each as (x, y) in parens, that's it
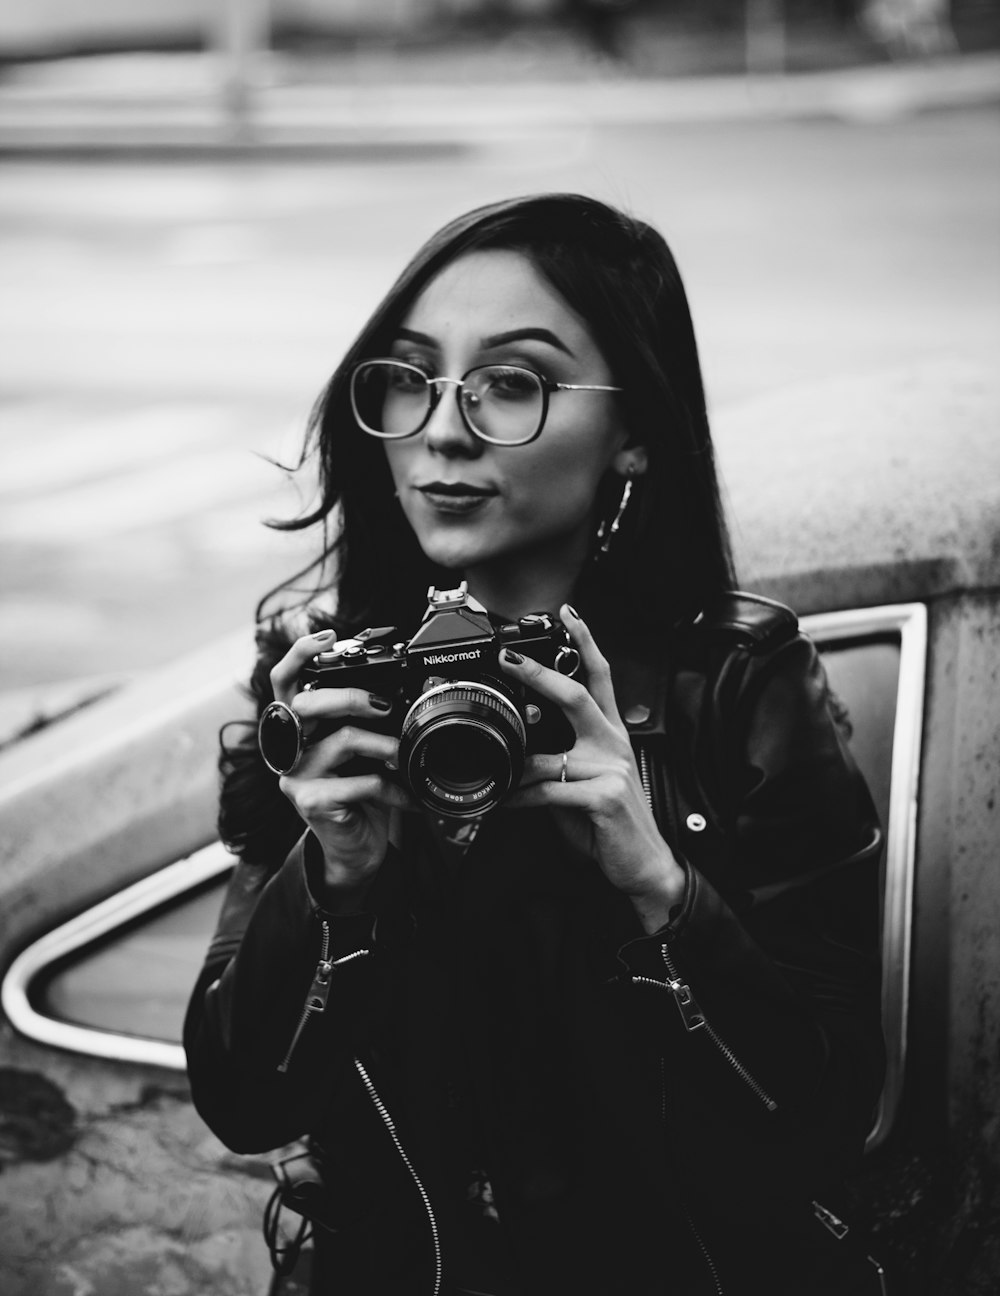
(465, 727)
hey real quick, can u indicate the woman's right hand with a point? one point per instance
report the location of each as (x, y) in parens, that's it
(349, 815)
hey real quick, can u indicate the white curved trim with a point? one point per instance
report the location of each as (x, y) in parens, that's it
(142, 896)
(909, 621)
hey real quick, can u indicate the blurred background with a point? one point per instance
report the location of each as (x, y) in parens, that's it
(201, 202)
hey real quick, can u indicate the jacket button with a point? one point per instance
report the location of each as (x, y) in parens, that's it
(696, 822)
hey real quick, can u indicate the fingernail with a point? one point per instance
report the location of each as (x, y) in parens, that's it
(379, 703)
(391, 766)
(513, 657)
(323, 635)
(573, 612)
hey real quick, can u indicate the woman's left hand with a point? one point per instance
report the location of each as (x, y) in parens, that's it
(595, 791)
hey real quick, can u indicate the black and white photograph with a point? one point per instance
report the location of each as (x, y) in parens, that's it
(500, 648)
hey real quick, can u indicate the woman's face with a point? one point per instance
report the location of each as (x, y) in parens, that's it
(516, 521)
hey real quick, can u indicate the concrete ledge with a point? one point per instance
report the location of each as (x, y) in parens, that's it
(114, 791)
(29, 710)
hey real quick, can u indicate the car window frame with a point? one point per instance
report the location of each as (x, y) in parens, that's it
(909, 621)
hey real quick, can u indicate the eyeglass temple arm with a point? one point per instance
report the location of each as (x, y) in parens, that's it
(584, 387)
(460, 382)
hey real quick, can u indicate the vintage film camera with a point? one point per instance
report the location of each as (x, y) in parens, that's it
(464, 726)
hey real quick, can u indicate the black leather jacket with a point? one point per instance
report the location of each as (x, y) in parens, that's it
(652, 1113)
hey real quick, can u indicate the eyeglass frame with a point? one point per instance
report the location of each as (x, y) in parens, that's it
(546, 385)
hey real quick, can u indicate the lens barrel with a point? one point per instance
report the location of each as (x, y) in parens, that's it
(462, 748)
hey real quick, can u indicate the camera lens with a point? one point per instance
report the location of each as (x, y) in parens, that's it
(462, 748)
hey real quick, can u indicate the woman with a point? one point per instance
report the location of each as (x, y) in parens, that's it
(620, 1035)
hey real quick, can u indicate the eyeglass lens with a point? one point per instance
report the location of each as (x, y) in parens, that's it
(501, 402)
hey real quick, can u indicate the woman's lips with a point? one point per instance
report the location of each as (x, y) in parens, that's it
(455, 497)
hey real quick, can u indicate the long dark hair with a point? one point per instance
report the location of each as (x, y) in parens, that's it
(619, 276)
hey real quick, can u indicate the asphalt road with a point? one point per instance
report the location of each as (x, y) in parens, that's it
(164, 324)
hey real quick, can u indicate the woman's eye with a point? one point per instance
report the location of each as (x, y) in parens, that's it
(512, 384)
(404, 379)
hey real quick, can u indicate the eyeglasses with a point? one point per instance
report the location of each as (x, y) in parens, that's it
(502, 404)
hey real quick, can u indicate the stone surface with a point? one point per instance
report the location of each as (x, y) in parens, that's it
(112, 1186)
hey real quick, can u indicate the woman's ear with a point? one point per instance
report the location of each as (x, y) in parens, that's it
(631, 462)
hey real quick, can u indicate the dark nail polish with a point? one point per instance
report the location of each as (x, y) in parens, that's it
(513, 657)
(573, 612)
(379, 703)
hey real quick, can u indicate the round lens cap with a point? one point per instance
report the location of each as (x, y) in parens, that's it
(279, 737)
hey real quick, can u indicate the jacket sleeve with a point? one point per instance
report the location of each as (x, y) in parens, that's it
(281, 1004)
(774, 962)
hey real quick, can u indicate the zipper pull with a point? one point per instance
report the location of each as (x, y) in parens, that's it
(691, 1015)
(319, 991)
(317, 996)
(830, 1221)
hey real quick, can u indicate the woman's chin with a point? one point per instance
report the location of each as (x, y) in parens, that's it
(455, 557)
(458, 547)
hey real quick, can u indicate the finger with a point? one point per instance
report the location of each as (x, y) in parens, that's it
(595, 664)
(564, 796)
(570, 694)
(326, 798)
(549, 768)
(337, 703)
(285, 675)
(373, 788)
(336, 749)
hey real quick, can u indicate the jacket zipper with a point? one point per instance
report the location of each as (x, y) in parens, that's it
(319, 990)
(390, 1125)
(645, 763)
(840, 1229)
(694, 1019)
(832, 1222)
(706, 1255)
(645, 775)
(691, 1015)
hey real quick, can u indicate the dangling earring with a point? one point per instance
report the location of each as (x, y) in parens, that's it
(605, 533)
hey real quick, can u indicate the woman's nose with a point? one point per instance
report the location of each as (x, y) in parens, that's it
(446, 432)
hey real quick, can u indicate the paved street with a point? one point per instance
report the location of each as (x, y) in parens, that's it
(165, 324)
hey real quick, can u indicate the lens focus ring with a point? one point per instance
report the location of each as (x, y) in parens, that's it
(458, 693)
(462, 747)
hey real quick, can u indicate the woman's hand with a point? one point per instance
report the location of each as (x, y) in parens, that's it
(348, 814)
(600, 805)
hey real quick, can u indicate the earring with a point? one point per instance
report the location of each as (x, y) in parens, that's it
(607, 533)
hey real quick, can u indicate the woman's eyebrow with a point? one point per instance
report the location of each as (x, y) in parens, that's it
(527, 334)
(411, 335)
(494, 340)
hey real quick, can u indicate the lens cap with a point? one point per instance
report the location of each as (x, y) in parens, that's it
(279, 737)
